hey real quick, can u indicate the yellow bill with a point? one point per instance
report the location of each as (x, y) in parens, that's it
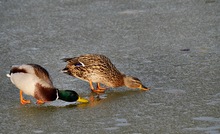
(82, 100)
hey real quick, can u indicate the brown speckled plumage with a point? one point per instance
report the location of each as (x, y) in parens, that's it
(96, 68)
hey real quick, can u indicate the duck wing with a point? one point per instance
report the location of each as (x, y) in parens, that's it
(83, 60)
(41, 73)
(94, 59)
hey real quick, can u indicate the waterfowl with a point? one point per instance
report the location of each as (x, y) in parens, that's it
(34, 80)
(96, 68)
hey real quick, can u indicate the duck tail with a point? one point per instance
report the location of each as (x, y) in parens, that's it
(66, 71)
(8, 75)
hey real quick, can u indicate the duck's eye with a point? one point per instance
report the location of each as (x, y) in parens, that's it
(135, 79)
(136, 82)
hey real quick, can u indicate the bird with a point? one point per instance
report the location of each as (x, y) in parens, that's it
(34, 80)
(97, 68)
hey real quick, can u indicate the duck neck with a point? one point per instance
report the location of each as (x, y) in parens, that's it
(124, 80)
(121, 80)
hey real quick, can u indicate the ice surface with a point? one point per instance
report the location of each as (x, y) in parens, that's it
(143, 38)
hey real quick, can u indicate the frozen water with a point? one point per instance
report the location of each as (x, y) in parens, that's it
(171, 46)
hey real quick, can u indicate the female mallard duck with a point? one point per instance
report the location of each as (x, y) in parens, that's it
(34, 80)
(99, 69)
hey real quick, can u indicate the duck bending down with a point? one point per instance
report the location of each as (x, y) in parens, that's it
(34, 80)
(95, 68)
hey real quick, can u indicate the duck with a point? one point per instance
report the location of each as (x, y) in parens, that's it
(97, 68)
(35, 81)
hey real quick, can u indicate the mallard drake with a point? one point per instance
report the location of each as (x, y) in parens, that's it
(34, 80)
(95, 68)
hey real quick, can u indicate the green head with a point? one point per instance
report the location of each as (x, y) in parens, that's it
(70, 96)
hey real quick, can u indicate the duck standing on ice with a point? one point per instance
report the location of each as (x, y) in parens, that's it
(99, 69)
(34, 80)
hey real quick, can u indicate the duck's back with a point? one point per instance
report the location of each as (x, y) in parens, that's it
(27, 76)
(102, 70)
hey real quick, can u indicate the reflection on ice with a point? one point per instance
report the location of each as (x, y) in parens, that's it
(209, 130)
(213, 129)
(210, 119)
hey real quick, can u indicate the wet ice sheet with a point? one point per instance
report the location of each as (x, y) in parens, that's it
(142, 38)
(211, 129)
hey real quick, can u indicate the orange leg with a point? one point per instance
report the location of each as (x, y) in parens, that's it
(101, 88)
(91, 86)
(22, 100)
(96, 90)
(40, 102)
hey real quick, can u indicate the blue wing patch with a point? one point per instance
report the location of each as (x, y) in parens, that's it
(79, 64)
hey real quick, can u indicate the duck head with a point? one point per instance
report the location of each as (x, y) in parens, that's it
(133, 82)
(70, 96)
